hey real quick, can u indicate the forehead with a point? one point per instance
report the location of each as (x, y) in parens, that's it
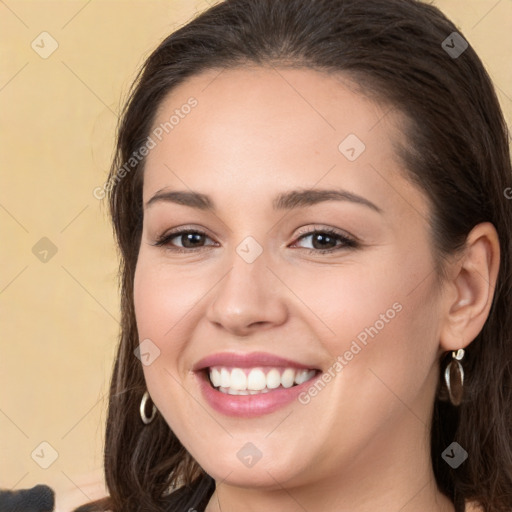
(264, 100)
(256, 128)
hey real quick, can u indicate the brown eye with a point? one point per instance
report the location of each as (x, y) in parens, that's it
(322, 241)
(327, 240)
(189, 239)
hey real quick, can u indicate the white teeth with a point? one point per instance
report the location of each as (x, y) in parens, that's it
(231, 391)
(225, 378)
(215, 377)
(273, 379)
(287, 378)
(256, 379)
(240, 381)
(304, 375)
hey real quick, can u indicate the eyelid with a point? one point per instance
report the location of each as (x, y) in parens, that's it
(308, 230)
(347, 241)
(175, 232)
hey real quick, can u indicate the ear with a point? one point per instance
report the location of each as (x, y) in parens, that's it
(470, 289)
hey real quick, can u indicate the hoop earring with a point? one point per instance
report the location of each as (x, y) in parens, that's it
(454, 377)
(147, 420)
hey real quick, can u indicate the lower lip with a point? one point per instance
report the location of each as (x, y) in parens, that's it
(249, 406)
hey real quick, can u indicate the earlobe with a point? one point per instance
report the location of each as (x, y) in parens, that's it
(472, 288)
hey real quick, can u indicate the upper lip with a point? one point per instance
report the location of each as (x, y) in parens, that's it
(247, 360)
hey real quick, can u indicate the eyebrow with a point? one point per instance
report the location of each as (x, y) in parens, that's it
(285, 201)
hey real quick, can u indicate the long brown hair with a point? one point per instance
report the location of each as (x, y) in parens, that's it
(457, 153)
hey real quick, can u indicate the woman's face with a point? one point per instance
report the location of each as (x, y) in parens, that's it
(254, 282)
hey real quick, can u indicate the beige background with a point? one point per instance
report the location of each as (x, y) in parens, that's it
(59, 317)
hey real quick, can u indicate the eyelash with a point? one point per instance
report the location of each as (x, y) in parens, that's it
(347, 242)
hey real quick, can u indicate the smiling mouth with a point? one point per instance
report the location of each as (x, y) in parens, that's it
(257, 380)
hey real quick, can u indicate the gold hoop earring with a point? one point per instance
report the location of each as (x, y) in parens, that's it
(147, 420)
(454, 377)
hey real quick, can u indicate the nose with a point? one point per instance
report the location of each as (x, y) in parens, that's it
(248, 298)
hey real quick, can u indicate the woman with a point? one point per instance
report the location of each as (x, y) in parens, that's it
(310, 199)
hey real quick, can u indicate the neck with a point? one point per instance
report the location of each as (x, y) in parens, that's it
(225, 499)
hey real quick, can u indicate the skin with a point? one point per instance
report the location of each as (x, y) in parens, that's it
(362, 443)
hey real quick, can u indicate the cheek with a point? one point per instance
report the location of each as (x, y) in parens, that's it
(168, 305)
(380, 329)
(159, 304)
(164, 306)
(162, 299)
(341, 301)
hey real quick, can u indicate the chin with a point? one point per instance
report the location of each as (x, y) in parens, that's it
(266, 472)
